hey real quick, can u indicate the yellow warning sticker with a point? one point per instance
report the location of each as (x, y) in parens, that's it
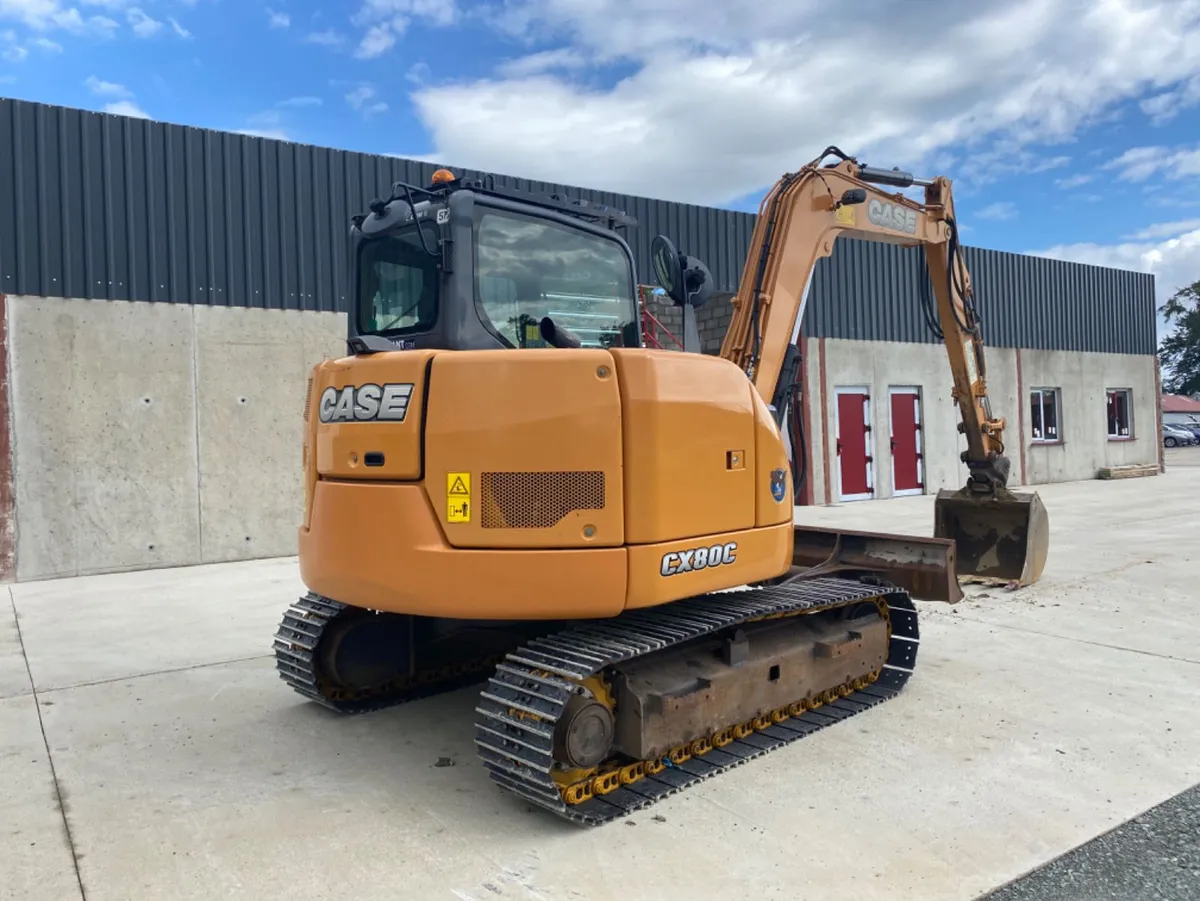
(458, 497)
(845, 215)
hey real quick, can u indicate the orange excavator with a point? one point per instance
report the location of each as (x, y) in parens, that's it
(502, 488)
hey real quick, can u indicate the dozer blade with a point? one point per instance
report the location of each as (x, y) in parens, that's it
(999, 536)
(924, 567)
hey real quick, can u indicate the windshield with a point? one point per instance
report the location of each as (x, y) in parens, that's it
(398, 283)
(528, 268)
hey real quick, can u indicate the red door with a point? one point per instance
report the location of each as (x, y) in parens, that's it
(853, 426)
(906, 441)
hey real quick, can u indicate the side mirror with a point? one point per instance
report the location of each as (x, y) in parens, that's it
(686, 279)
(667, 268)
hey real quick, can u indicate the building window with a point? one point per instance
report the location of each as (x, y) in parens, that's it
(1044, 406)
(1120, 412)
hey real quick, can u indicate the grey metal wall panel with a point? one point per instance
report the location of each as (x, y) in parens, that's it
(871, 291)
(107, 207)
(100, 206)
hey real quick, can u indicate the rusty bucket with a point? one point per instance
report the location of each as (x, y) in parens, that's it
(1000, 536)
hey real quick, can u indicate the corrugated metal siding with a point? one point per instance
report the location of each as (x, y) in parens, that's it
(871, 291)
(100, 206)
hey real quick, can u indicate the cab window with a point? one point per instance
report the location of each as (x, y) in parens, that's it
(528, 268)
(398, 284)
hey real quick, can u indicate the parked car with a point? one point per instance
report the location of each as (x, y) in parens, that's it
(1188, 425)
(1177, 436)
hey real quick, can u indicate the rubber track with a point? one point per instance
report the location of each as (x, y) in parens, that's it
(517, 750)
(297, 638)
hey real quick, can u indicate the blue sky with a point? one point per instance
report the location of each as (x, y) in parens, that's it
(1071, 128)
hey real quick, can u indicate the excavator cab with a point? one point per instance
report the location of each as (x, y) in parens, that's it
(460, 265)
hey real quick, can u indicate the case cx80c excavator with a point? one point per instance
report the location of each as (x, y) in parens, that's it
(504, 488)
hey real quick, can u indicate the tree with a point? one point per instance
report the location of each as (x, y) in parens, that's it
(1179, 351)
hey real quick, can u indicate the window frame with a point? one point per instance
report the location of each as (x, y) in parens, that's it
(1039, 393)
(1129, 433)
(363, 307)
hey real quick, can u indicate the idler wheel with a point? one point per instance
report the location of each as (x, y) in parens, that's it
(583, 735)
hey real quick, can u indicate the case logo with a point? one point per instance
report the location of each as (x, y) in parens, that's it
(892, 215)
(366, 403)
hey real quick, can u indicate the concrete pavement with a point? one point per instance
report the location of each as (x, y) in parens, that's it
(148, 750)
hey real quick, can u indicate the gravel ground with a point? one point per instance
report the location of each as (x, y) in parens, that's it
(1155, 857)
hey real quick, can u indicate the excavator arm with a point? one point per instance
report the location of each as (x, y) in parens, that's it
(998, 534)
(799, 221)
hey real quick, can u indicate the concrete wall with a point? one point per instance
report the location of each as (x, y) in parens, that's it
(1082, 379)
(148, 435)
(833, 363)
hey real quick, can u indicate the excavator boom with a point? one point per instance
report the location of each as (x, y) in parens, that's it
(998, 534)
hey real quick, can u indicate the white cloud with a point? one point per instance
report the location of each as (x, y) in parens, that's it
(1000, 210)
(327, 38)
(1163, 107)
(274, 134)
(102, 88)
(126, 108)
(50, 15)
(300, 101)
(400, 12)
(721, 99)
(1166, 230)
(360, 98)
(267, 118)
(178, 29)
(1140, 163)
(278, 20)
(123, 105)
(377, 41)
(545, 61)
(1073, 181)
(418, 73)
(386, 20)
(270, 123)
(143, 25)
(360, 95)
(1171, 251)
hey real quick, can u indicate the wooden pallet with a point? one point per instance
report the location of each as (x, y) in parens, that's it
(1128, 471)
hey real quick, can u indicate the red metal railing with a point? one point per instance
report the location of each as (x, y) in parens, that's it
(652, 328)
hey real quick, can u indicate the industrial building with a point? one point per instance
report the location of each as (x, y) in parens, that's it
(167, 288)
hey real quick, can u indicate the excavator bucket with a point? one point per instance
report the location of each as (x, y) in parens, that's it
(1001, 537)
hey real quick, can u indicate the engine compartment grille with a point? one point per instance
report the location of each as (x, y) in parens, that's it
(537, 500)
